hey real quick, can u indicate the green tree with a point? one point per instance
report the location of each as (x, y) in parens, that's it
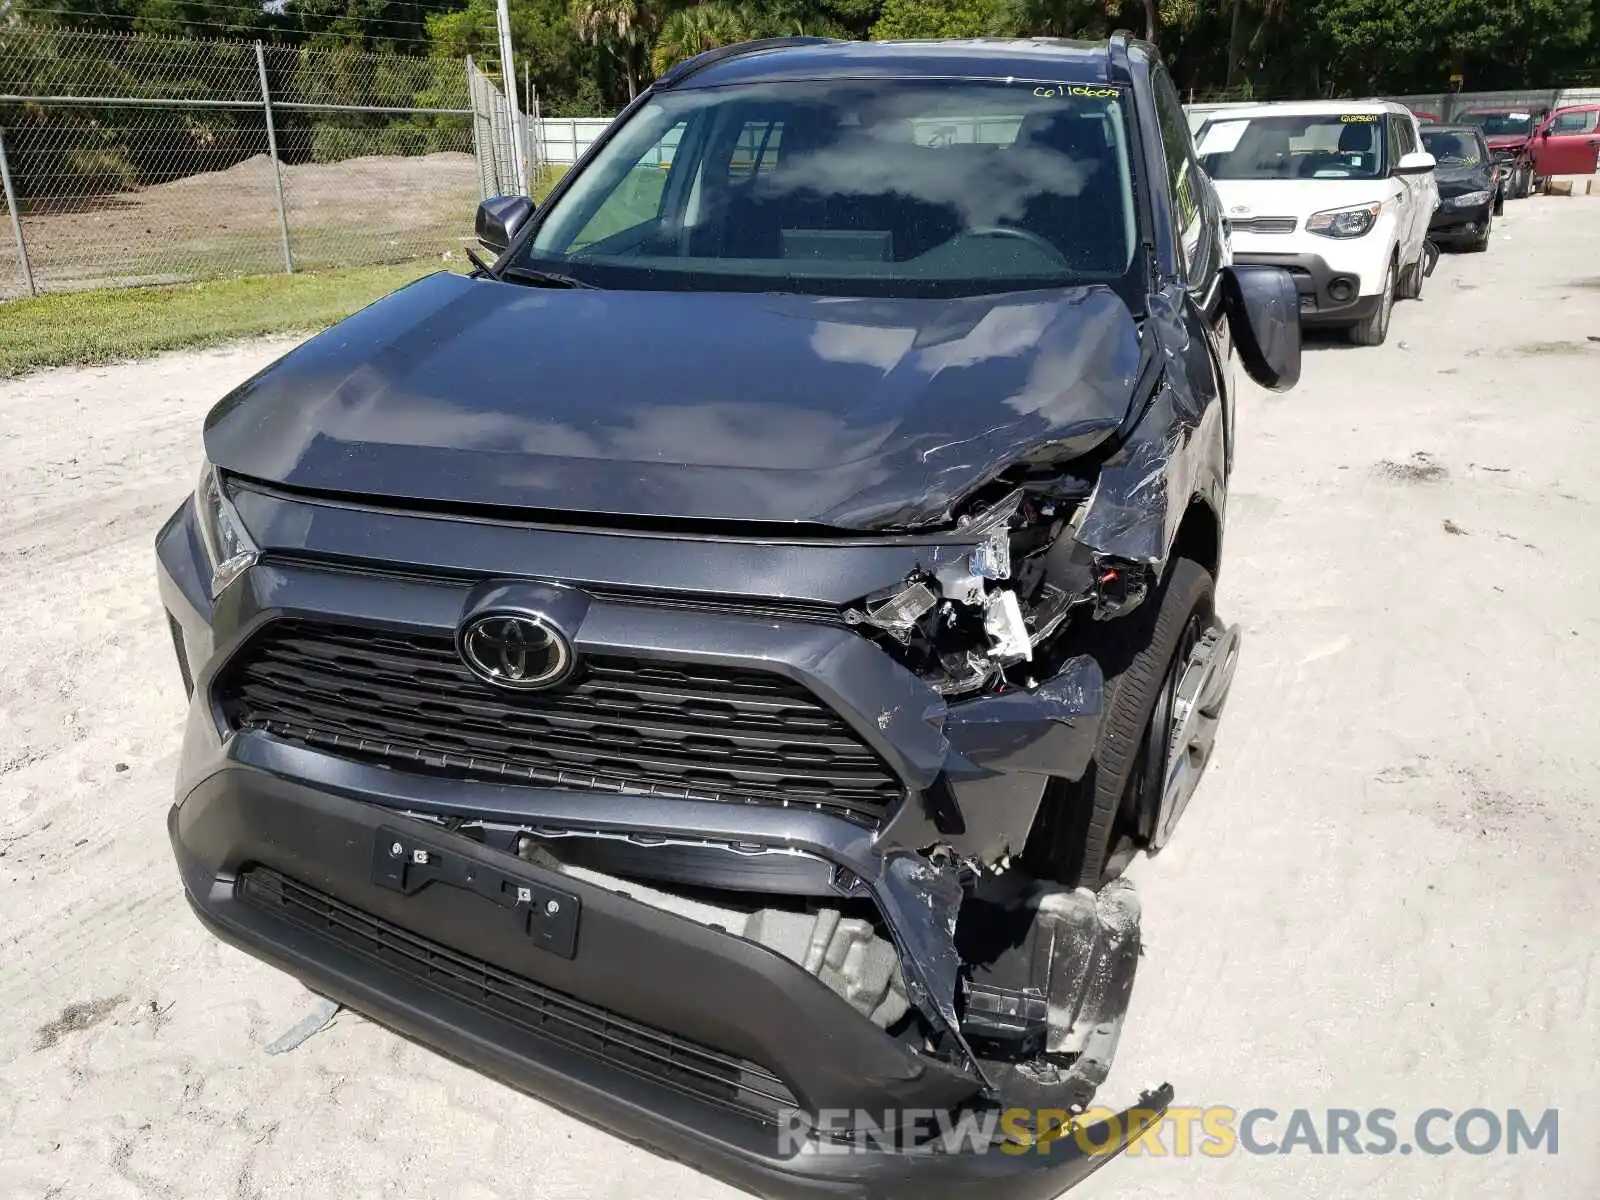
(1404, 45)
(623, 29)
(943, 19)
(689, 31)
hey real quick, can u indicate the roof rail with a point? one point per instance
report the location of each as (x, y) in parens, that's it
(1117, 47)
(689, 66)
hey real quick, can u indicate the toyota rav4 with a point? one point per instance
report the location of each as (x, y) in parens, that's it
(710, 666)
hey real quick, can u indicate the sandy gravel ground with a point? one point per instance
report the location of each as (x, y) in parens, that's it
(371, 209)
(1384, 896)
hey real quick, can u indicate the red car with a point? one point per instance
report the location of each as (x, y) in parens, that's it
(1425, 118)
(1509, 132)
(1568, 142)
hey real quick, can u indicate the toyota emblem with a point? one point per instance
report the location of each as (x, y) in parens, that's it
(522, 652)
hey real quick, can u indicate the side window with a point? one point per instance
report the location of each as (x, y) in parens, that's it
(1183, 176)
(1575, 122)
(637, 199)
(1408, 135)
(756, 150)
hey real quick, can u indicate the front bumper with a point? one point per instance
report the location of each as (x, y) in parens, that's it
(251, 805)
(1313, 279)
(633, 968)
(1459, 223)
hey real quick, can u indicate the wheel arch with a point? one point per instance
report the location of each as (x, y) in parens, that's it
(1199, 536)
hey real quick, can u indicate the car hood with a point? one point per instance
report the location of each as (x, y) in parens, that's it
(855, 413)
(1453, 181)
(1513, 141)
(1243, 198)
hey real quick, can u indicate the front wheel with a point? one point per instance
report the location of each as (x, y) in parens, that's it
(1142, 656)
(1409, 286)
(1481, 243)
(1374, 329)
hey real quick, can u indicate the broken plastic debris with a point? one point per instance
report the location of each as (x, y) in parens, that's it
(901, 611)
(315, 1021)
(992, 560)
(1002, 621)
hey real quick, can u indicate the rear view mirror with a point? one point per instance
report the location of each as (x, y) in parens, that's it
(1418, 162)
(500, 217)
(1263, 308)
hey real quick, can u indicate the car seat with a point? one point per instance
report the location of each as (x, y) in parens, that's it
(1356, 146)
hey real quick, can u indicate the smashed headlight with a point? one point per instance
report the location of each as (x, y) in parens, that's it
(895, 612)
(1002, 599)
(960, 624)
(229, 548)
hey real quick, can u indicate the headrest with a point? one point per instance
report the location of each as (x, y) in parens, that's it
(1356, 139)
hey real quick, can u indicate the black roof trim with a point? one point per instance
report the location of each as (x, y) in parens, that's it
(690, 66)
(1117, 47)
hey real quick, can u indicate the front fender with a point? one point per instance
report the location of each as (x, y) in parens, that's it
(1175, 452)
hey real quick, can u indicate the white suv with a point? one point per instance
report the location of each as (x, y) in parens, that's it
(1339, 193)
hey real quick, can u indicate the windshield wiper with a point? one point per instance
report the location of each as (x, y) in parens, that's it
(536, 278)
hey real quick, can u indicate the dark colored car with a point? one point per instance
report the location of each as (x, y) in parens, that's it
(1509, 135)
(1470, 187)
(689, 668)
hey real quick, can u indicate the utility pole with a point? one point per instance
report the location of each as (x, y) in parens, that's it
(508, 80)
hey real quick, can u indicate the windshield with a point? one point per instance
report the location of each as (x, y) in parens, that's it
(1453, 149)
(1500, 124)
(1322, 146)
(853, 188)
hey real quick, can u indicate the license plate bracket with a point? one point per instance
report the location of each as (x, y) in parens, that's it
(406, 863)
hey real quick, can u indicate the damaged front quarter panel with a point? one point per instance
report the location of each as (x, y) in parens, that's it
(1173, 452)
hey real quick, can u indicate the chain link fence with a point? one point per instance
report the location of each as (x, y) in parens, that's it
(138, 160)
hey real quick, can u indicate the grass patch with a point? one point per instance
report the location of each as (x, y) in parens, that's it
(545, 179)
(70, 328)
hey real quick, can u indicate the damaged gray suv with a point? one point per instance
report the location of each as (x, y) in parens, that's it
(710, 666)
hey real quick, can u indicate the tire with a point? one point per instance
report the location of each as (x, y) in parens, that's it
(1521, 183)
(1481, 243)
(1500, 201)
(1373, 330)
(1079, 822)
(1409, 286)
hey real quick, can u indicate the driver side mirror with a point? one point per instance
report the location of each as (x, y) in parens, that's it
(1418, 162)
(499, 218)
(1263, 307)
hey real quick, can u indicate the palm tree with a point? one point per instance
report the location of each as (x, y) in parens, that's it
(688, 31)
(622, 26)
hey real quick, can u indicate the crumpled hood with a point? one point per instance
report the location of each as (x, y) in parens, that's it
(855, 413)
(1458, 180)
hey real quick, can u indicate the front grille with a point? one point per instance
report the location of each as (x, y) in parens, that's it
(1262, 224)
(705, 1074)
(675, 730)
